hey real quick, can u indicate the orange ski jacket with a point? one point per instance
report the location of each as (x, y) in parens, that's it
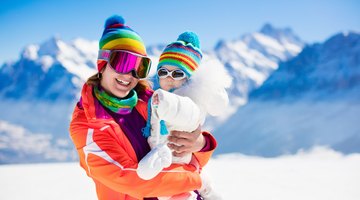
(109, 159)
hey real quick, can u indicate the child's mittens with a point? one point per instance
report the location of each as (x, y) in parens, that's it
(152, 164)
(165, 155)
(156, 141)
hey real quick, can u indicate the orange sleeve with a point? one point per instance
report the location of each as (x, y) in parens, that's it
(204, 157)
(107, 161)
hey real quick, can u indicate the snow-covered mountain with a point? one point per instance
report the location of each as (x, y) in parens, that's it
(253, 57)
(312, 99)
(320, 69)
(250, 60)
(38, 91)
(46, 71)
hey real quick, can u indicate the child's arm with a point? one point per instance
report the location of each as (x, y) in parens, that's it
(153, 163)
(160, 155)
(179, 113)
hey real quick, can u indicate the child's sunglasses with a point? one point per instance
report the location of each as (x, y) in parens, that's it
(176, 74)
(124, 62)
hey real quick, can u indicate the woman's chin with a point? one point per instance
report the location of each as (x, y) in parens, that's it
(121, 93)
(121, 90)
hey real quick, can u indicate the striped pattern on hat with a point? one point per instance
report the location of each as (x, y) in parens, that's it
(120, 37)
(185, 53)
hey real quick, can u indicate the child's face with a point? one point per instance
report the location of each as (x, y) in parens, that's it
(169, 83)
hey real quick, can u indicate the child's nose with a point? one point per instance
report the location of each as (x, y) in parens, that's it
(169, 78)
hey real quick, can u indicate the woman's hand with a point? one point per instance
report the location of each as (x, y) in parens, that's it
(186, 142)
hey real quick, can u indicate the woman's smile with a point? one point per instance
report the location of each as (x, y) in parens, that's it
(122, 82)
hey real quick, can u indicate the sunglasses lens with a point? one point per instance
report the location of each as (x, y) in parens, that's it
(162, 72)
(178, 74)
(124, 62)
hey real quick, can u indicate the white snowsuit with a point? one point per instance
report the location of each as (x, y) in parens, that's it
(179, 113)
(183, 110)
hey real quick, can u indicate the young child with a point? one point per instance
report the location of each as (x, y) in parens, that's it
(181, 103)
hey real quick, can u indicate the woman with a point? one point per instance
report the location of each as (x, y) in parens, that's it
(107, 122)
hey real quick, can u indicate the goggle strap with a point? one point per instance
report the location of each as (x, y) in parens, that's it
(104, 55)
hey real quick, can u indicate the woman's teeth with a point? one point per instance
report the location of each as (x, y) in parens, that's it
(122, 82)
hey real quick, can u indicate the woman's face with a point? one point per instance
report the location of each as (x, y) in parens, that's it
(169, 83)
(118, 85)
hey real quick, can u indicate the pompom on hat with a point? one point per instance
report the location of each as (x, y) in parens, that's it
(118, 36)
(185, 53)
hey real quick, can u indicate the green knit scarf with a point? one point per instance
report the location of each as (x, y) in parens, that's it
(116, 105)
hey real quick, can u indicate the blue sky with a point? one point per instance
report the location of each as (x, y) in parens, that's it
(25, 22)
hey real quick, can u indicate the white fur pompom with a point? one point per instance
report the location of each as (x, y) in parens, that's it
(207, 87)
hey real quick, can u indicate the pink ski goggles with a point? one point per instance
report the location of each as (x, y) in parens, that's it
(124, 62)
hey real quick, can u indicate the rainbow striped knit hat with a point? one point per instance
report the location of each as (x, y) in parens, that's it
(185, 53)
(120, 37)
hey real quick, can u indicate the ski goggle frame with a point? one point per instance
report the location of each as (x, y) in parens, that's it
(124, 62)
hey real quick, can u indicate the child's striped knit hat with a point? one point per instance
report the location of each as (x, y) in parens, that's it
(185, 53)
(120, 37)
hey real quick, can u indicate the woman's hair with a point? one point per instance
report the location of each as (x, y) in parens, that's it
(142, 88)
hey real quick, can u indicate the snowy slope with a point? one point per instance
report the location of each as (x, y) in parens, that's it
(321, 174)
(313, 99)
